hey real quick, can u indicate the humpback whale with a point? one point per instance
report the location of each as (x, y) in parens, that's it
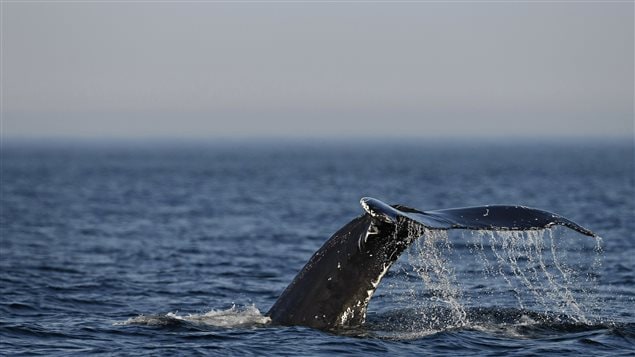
(335, 286)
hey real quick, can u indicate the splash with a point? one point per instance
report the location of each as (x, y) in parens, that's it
(233, 317)
(542, 272)
(431, 264)
(489, 279)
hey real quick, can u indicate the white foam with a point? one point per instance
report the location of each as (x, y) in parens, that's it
(232, 317)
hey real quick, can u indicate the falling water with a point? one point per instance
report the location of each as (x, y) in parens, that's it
(457, 279)
(432, 265)
(544, 272)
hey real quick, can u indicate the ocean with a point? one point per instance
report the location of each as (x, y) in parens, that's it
(175, 248)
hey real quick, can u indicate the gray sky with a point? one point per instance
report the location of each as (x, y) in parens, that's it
(174, 70)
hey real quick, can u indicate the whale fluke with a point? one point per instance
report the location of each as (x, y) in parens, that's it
(335, 286)
(491, 217)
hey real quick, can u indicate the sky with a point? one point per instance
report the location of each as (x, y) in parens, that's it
(88, 69)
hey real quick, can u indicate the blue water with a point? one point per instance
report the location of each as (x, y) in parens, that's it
(168, 248)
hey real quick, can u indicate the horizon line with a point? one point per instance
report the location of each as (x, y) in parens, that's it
(290, 139)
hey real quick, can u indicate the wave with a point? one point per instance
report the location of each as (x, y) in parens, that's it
(248, 316)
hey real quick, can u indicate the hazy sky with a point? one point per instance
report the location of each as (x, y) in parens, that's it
(275, 69)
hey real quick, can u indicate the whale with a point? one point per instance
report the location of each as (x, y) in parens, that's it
(333, 290)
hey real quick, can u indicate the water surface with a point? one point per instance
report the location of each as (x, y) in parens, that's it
(180, 249)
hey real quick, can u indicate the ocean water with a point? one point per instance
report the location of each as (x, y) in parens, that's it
(180, 249)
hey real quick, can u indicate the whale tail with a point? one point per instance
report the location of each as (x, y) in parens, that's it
(491, 217)
(335, 286)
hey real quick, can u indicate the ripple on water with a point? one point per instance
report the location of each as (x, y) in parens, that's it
(94, 237)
